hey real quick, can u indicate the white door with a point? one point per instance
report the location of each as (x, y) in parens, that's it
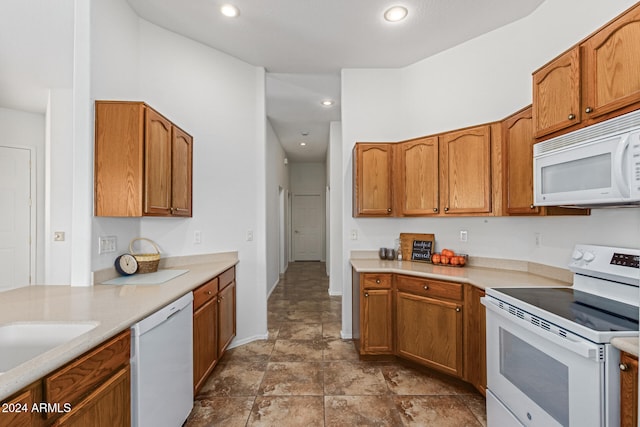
(307, 224)
(15, 217)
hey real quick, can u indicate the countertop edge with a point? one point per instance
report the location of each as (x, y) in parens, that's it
(155, 297)
(627, 344)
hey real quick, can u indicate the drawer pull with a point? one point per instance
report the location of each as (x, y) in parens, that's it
(366, 294)
(378, 281)
(425, 287)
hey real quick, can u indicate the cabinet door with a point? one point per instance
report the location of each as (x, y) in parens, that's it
(517, 132)
(376, 325)
(372, 194)
(556, 94)
(465, 174)
(611, 64)
(226, 317)
(19, 413)
(475, 348)
(107, 406)
(628, 390)
(429, 331)
(418, 169)
(157, 155)
(205, 342)
(181, 172)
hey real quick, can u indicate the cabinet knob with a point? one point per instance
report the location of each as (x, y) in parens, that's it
(378, 281)
(531, 206)
(623, 367)
(366, 294)
(571, 116)
(588, 110)
(435, 209)
(457, 309)
(389, 210)
(425, 287)
(446, 209)
(208, 292)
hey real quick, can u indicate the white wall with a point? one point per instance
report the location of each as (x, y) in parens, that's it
(336, 179)
(219, 100)
(479, 81)
(277, 178)
(27, 130)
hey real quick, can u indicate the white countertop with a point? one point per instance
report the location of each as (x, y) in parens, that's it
(116, 307)
(481, 277)
(627, 344)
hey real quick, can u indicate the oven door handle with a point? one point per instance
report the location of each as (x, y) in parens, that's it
(588, 351)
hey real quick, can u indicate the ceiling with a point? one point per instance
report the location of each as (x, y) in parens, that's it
(303, 45)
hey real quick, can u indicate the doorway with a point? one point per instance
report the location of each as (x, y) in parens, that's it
(17, 255)
(307, 225)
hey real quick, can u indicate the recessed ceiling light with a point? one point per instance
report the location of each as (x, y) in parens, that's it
(327, 103)
(302, 144)
(396, 13)
(229, 10)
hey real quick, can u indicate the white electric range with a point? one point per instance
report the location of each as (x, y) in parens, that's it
(549, 357)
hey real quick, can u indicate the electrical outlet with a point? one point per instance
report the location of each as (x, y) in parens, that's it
(58, 236)
(354, 234)
(538, 238)
(464, 236)
(107, 244)
(197, 237)
(249, 235)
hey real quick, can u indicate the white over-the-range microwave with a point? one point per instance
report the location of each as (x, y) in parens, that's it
(597, 166)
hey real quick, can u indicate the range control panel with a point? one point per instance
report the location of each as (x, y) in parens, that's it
(625, 260)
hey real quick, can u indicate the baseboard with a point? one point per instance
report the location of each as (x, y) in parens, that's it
(237, 343)
(345, 336)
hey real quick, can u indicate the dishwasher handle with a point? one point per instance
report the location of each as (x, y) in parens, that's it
(162, 315)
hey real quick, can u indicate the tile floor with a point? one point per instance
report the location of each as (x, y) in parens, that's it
(305, 375)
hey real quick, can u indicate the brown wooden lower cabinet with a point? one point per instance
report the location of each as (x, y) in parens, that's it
(214, 324)
(438, 324)
(628, 390)
(92, 390)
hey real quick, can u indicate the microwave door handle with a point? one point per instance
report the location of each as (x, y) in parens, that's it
(618, 160)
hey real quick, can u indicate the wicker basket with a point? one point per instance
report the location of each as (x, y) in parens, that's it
(147, 262)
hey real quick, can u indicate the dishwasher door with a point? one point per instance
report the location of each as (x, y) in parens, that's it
(162, 366)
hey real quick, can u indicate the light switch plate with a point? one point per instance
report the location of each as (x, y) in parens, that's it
(107, 244)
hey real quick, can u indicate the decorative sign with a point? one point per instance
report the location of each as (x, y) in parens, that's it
(421, 250)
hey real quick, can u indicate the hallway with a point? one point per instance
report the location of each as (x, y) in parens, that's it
(305, 375)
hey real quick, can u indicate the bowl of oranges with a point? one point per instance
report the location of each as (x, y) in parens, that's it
(449, 258)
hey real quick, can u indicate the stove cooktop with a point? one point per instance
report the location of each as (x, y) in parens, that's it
(585, 309)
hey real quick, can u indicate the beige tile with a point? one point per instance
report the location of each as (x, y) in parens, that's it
(220, 411)
(290, 411)
(353, 378)
(292, 378)
(477, 405)
(235, 379)
(331, 330)
(441, 411)
(256, 351)
(342, 411)
(297, 351)
(339, 350)
(300, 331)
(403, 380)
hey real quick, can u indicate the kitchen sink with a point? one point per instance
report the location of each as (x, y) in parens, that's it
(20, 342)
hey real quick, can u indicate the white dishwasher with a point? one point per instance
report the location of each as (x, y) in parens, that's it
(162, 366)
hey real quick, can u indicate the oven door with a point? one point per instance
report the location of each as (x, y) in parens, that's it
(542, 378)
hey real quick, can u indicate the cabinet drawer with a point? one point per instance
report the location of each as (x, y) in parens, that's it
(432, 288)
(227, 277)
(76, 379)
(373, 280)
(204, 293)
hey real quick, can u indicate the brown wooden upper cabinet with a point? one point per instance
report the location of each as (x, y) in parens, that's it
(418, 167)
(593, 81)
(372, 186)
(143, 162)
(465, 172)
(556, 94)
(517, 148)
(455, 173)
